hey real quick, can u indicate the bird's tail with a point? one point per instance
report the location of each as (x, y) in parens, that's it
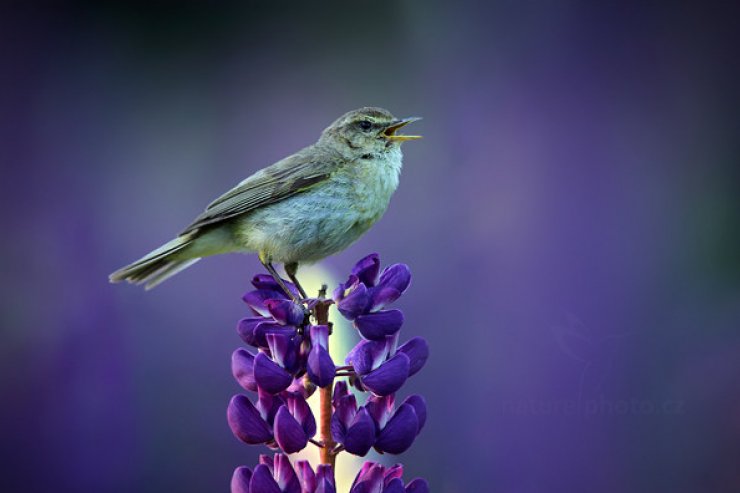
(158, 265)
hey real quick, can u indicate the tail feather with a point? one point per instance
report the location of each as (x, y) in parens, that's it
(158, 265)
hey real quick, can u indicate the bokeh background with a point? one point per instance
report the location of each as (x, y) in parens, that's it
(572, 221)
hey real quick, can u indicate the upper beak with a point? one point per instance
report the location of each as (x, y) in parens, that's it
(390, 131)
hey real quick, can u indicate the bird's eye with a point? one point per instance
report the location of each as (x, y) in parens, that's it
(365, 125)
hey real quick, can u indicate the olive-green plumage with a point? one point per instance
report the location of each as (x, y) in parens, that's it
(301, 209)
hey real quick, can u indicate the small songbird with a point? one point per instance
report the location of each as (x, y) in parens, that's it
(301, 209)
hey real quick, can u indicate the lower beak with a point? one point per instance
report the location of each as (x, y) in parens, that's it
(390, 132)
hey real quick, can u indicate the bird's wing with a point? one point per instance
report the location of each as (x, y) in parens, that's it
(283, 179)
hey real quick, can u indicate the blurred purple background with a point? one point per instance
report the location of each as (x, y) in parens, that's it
(572, 220)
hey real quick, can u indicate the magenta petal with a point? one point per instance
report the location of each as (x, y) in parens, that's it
(376, 325)
(321, 369)
(240, 480)
(246, 422)
(306, 475)
(360, 435)
(417, 485)
(262, 481)
(395, 471)
(324, 479)
(389, 377)
(270, 376)
(420, 407)
(400, 432)
(242, 367)
(366, 269)
(285, 312)
(284, 475)
(417, 349)
(356, 302)
(289, 433)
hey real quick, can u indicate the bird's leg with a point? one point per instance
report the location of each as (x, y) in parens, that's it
(268, 265)
(291, 269)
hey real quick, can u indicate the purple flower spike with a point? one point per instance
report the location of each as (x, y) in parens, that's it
(270, 376)
(246, 422)
(400, 432)
(388, 377)
(240, 480)
(285, 312)
(377, 325)
(242, 367)
(366, 269)
(417, 349)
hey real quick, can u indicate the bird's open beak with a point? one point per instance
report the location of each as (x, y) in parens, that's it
(390, 132)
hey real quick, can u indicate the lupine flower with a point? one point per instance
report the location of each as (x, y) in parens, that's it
(278, 476)
(321, 369)
(375, 478)
(352, 427)
(376, 424)
(364, 295)
(285, 420)
(381, 368)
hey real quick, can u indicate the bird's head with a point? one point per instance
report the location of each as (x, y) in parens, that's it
(367, 131)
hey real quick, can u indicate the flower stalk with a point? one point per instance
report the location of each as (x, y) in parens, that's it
(327, 452)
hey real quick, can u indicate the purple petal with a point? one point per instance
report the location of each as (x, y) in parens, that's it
(395, 471)
(319, 335)
(289, 433)
(395, 485)
(369, 479)
(256, 300)
(321, 369)
(380, 409)
(366, 269)
(400, 432)
(392, 283)
(266, 281)
(246, 422)
(375, 326)
(367, 356)
(281, 348)
(285, 476)
(246, 327)
(242, 367)
(389, 377)
(300, 409)
(417, 350)
(269, 326)
(340, 390)
(301, 386)
(268, 461)
(285, 312)
(360, 435)
(306, 475)
(417, 485)
(268, 404)
(420, 407)
(325, 479)
(240, 480)
(345, 409)
(262, 481)
(356, 302)
(270, 376)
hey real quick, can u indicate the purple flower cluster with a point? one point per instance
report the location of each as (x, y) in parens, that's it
(291, 360)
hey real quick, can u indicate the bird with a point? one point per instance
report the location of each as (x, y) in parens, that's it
(299, 210)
